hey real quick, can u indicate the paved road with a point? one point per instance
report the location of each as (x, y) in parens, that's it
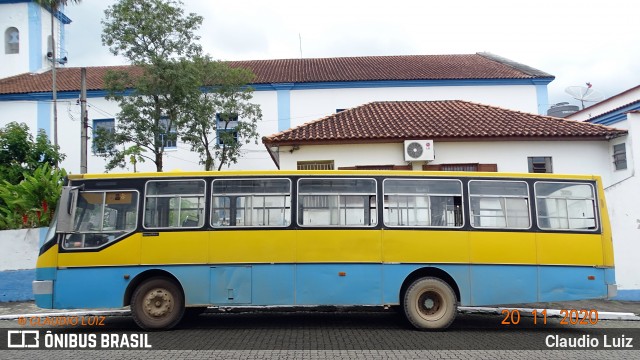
(315, 335)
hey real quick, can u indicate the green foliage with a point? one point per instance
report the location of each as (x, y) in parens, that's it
(157, 37)
(147, 31)
(177, 90)
(222, 90)
(20, 154)
(32, 202)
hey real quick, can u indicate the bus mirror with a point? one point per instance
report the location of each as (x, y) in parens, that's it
(67, 208)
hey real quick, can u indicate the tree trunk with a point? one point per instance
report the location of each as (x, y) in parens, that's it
(158, 162)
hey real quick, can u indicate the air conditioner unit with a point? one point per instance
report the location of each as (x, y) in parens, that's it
(418, 150)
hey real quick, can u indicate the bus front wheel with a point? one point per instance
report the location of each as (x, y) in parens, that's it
(157, 303)
(430, 304)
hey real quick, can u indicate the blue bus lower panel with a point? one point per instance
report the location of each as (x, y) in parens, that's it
(332, 284)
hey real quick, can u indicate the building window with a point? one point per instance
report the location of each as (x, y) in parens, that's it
(226, 128)
(169, 138)
(315, 165)
(11, 41)
(540, 164)
(620, 156)
(100, 126)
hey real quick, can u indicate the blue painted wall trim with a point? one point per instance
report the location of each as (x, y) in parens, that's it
(15, 285)
(615, 116)
(312, 86)
(44, 117)
(543, 98)
(35, 38)
(628, 295)
(284, 105)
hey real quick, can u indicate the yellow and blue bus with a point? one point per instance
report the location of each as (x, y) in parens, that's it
(167, 244)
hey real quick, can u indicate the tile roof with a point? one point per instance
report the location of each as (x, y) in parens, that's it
(340, 69)
(450, 120)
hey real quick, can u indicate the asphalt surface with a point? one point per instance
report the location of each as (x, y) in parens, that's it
(337, 333)
(623, 310)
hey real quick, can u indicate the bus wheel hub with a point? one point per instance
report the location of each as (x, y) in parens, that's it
(158, 303)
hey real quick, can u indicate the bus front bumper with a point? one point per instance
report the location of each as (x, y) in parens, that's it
(43, 293)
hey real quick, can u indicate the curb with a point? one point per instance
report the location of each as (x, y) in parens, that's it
(67, 313)
(528, 312)
(525, 312)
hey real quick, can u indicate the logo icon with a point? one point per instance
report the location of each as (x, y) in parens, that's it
(21, 339)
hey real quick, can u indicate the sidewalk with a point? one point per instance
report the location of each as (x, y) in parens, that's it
(607, 309)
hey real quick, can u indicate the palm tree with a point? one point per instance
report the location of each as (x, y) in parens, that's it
(54, 6)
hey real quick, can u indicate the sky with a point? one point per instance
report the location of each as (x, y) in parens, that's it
(576, 41)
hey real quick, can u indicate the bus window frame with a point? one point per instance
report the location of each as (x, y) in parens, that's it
(234, 227)
(595, 203)
(462, 205)
(375, 193)
(77, 193)
(177, 228)
(530, 206)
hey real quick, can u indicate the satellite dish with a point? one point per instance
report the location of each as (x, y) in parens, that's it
(584, 93)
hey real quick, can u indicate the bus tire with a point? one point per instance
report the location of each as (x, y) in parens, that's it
(430, 304)
(157, 304)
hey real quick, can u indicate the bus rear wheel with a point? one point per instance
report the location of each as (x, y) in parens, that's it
(430, 304)
(157, 304)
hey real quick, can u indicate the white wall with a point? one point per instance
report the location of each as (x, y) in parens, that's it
(607, 105)
(511, 156)
(14, 15)
(623, 200)
(308, 105)
(17, 15)
(19, 249)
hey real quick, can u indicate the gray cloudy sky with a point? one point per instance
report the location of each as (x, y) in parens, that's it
(577, 41)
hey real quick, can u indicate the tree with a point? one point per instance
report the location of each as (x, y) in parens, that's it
(19, 153)
(54, 6)
(158, 38)
(32, 202)
(220, 118)
(29, 180)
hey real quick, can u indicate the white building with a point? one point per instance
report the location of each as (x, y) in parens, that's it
(26, 37)
(289, 91)
(623, 188)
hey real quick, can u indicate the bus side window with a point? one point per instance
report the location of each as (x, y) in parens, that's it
(499, 204)
(251, 202)
(565, 206)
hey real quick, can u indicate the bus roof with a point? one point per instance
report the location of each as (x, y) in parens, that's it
(263, 173)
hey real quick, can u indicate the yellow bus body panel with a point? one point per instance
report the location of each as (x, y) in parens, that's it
(123, 252)
(570, 249)
(425, 246)
(49, 259)
(339, 246)
(489, 247)
(181, 247)
(252, 246)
